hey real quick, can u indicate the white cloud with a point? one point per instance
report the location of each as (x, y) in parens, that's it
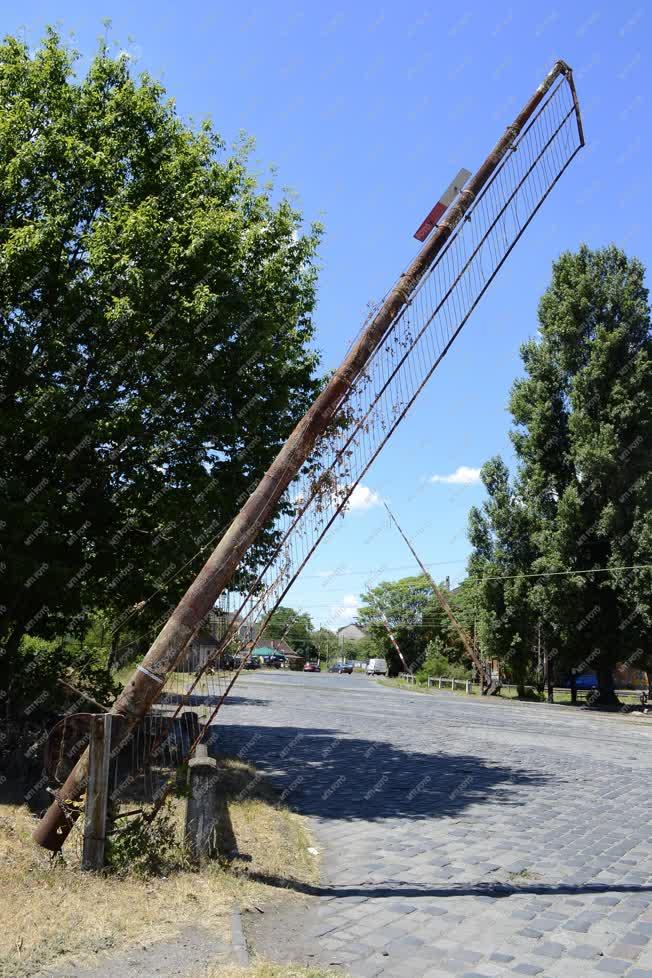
(360, 499)
(347, 610)
(464, 475)
(363, 497)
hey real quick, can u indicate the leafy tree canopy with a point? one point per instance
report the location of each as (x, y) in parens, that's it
(155, 328)
(415, 617)
(294, 627)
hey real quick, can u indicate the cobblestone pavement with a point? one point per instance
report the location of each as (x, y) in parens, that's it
(459, 836)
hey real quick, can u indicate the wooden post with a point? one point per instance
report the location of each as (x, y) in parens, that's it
(97, 792)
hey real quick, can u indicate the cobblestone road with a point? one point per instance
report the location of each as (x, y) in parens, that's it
(460, 837)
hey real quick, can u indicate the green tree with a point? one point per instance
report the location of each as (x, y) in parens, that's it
(155, 321)
(583, 491)
(414, 616)
(500, 532)
(437, 663)
(462, 601)
(326, 643)
(294, 627)
(361, 649)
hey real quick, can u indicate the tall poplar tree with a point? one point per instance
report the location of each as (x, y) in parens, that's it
(583, 488)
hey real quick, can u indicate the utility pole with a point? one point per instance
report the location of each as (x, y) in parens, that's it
(467, 642)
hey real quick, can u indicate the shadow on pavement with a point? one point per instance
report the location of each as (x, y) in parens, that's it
(494, 890)
(325, 775)
(209, 699)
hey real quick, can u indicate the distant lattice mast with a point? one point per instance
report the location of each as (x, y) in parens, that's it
(393, 640)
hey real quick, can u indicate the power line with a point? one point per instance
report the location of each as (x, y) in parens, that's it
(590, 570)
(327, 575)
(509, 577)
(494, 577)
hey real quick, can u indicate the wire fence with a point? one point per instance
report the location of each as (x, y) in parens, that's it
(560, 693)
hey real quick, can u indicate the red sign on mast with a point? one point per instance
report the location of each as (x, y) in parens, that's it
(442, 205)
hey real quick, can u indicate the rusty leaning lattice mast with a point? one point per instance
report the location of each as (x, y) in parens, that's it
(148, 679)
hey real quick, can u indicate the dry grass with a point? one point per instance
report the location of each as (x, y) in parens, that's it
(268, 970)
(51, 911)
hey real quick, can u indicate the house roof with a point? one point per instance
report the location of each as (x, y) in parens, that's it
(281, 646)
(276, 644)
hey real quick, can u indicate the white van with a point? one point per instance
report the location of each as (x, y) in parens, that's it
(377, 667)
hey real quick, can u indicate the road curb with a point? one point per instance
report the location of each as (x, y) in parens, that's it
(627, 716)
(238, 942)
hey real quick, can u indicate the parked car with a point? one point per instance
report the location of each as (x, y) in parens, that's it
(251, 663)
(312, 667)
(377, 667)
(224, 662)
(272, 661)
(340, 667)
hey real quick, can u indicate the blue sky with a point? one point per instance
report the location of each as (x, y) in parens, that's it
(367, 111)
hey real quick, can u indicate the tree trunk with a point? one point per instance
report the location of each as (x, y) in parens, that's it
(9, 653)
(573, 686)
(547, 678)
(606, 693)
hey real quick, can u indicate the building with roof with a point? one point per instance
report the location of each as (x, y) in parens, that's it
(349, 633)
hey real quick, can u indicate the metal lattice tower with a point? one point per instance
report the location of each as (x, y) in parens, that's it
(330, 450)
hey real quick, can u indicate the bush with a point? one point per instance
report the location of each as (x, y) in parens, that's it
(147, 848)
(35, 687)
(437, 664)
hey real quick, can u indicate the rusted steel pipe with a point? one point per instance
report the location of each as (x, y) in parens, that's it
(146, 682)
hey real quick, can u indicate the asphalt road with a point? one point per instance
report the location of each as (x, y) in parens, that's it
(459, 836)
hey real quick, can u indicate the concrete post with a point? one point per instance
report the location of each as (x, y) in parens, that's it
(201, 810)
(209, 831)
